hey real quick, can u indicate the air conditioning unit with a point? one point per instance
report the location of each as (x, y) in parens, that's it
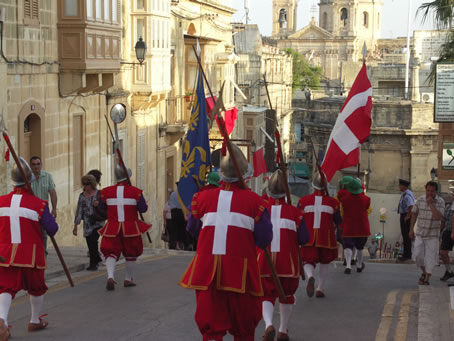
(427, 97)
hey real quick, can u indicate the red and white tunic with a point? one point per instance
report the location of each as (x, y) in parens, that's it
(286, 219)
(21, 241)
(355, 219)
(226, 246)
(121, 201)
(318, 211)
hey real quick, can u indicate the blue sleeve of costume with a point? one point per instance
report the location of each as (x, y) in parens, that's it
(194, 225)
(337, 218)
(303, 233)
(142, 206)
(263, 231)
(48, 222)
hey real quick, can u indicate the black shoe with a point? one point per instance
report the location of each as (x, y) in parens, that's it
(361, 268)
(353, 262)
(347, 271)
(92, 268)
(447, 275)
(345, 262)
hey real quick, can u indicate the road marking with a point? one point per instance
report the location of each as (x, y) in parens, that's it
(402, 325)
(387, 317)
(85, 278)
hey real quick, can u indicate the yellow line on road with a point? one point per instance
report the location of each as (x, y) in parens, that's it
(83, 279)
(402, 324)
(387, 317)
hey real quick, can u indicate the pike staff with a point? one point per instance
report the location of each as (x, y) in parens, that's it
(281, 161)
(29, 188)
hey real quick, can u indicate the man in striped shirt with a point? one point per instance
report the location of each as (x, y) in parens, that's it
(43, 186)
(428, 211)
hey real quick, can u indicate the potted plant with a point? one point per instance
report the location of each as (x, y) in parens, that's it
(188, 96)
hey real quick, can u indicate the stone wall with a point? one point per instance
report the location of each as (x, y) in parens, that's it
(402, 144)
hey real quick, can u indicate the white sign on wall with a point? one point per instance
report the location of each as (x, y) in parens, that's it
(444, 93)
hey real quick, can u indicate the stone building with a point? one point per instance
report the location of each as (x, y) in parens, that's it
(403, 144)
(60, 58)
(258, 57)
(336, 43)
(66, 63)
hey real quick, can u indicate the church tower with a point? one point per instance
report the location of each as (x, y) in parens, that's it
(360, 19)
(284, 17)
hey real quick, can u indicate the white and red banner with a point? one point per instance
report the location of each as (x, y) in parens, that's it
(352, 127)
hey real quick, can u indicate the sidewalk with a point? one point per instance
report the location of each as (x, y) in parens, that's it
(436, 314)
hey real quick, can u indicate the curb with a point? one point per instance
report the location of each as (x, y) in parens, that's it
(71, 269)
(49, 275)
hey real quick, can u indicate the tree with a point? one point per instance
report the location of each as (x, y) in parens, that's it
(304, 75)
(443, 12)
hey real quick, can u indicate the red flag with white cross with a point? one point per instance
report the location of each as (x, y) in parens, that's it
(352, 127)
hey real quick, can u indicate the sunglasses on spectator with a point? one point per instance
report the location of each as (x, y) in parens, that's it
(36, 164)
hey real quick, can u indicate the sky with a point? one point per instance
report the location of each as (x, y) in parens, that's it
(394, 15)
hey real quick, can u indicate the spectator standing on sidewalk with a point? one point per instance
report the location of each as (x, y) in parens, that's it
(428, 211)
(43, 186)
(86, 211)
(177, 226)
(447, 239)
(406, 203)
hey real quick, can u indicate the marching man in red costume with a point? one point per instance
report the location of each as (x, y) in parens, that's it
(123, 230)
(289, 231)
(224, 272)
(321, 213)
(21, 246)
(355, 223)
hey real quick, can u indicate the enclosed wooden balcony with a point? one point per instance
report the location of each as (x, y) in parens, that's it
(89, 35)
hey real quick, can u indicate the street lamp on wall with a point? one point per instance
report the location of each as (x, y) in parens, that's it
(141, 50)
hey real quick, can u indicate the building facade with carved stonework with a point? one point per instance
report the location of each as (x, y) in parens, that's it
(61, 59)
(259, 57)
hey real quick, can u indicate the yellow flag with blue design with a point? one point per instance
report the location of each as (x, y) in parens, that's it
(196, 149)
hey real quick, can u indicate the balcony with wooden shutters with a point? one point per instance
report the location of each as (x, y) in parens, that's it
(89, 39)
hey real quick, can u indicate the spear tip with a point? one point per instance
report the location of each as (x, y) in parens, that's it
(3, 129)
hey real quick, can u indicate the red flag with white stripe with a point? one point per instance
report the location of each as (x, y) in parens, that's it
(352, 127)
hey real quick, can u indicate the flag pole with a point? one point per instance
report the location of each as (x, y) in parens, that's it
(206, 82)
(242, 184)
(407, 63)
(279, 146)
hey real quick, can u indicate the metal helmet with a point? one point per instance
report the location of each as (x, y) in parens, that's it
(16, 175)
(120, 174)
(276, 185)
(317, 181)
(227, 170)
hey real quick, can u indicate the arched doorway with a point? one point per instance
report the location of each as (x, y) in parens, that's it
(31, 125)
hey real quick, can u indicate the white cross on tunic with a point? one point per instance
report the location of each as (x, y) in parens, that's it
(342, 134)
(120, 201)
(14, 212)
(318, 208)
(222, 219)
(278, 224)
